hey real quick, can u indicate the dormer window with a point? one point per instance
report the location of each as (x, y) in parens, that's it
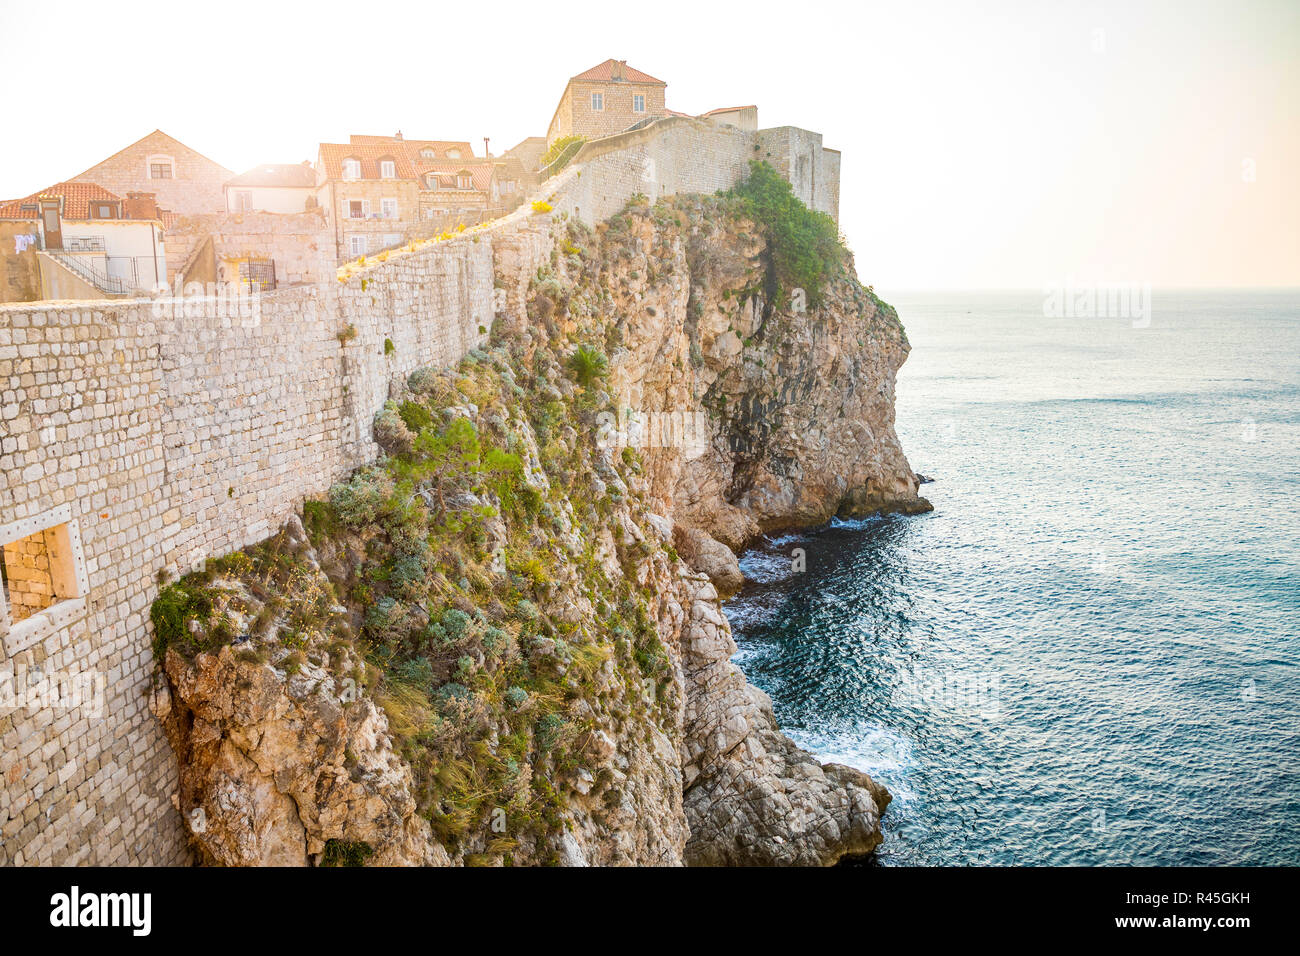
(598, 102)
(431, 181)
(351, 169)
(428, 154)
(387, 169)
(464, 181)
(453, 154)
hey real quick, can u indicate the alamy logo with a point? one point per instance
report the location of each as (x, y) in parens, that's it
(102, 909)
(1073, 299)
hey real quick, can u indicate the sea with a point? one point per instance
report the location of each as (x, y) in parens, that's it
(1089, 652)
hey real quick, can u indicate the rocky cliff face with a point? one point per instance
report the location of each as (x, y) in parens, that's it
(504, 643)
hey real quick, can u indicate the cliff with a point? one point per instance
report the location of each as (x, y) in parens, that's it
(503, 643)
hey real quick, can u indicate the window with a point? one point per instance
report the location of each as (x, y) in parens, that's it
(357, 245)
(638, 103)
(257, 275)
(453, 154)
(428, 154)
(43, 581)
(431, 181)
(243, 200)
(392, 239)
(387, 169)
(102, 211)
(464, 181)
(357, 208)
(351, 169)
(388, 208)
(598, 101)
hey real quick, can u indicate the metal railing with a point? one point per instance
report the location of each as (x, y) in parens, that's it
(546, 172)
(87, 270)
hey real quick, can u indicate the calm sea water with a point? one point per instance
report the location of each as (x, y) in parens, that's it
(1088, 654)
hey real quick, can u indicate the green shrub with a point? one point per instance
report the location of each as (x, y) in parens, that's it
(319, 519)
(346, 853)
(360, 500)
(588, 365)
(803, 244)
(177, 605)
(416, 416)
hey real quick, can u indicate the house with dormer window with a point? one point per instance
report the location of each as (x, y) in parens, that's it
(454, 184)
(370, 195)
(77, 240)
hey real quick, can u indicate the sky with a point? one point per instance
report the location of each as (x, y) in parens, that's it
(992, 145)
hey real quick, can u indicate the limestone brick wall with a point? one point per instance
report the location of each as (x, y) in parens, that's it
(86, 777)
(27, 576)
(173, 438)
(301, 244)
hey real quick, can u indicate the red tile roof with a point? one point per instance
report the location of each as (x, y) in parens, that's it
(77, 198)
(604, 72)
(447, 172)
(333, 154)
(414, 147)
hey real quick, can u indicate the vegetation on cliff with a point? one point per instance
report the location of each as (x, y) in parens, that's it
(497, 634)
(497, 583)
(804, 246)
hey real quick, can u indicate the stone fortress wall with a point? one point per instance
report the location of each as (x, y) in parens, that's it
(138, 439)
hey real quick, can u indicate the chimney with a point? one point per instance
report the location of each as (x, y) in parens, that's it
(399, 135)
(486, 152)
(141, 206)
(620, 67)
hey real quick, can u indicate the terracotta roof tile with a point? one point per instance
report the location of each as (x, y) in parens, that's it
(414, 147)
(333, 154)
(77, 198)
(604, 72)
(447, 171)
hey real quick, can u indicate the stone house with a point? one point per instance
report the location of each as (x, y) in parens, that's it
(184, 181)
(607, 99)
(454, 184)
(467, 190)
(273, 187)
(370, 195)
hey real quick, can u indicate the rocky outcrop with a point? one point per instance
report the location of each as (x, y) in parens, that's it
(794, 407)
(276, 761)
(557, 660)
(752, 796)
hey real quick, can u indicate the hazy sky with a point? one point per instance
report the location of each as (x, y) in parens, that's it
(989, 145)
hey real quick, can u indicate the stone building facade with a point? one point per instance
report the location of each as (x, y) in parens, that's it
(183, 180)
(607, 99)
(370, 195)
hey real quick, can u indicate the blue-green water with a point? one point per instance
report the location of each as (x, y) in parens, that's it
(1088, 653)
